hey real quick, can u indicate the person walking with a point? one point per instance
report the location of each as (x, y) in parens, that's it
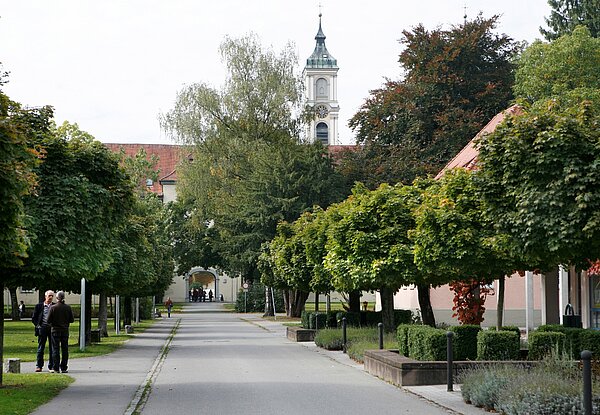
(21, 309)
(169, 305)
(59, 318)
(210, 295)
(42, 330)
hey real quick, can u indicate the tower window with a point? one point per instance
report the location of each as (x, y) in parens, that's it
(323, 133)
(322, 88)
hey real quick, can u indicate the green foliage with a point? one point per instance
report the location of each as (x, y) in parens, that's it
(352, 318)
(482, 387)
(255, 300)
(590, 340)
(455, 81)
(330, 339)
(542, 343)
(402, 334)
(23, 393)
(497, 345)
(304, 319)
(568, 14)
(426, 343)
(572, 337)
(540, 180)
(317, 321)
(464, 343)
(546, 70)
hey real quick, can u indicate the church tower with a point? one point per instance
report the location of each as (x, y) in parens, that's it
(320, 78)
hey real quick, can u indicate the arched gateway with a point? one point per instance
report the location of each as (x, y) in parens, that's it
(207, 278)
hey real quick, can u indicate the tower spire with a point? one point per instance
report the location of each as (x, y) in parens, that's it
(321, 58)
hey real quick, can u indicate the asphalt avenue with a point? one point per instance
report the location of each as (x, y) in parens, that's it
(209, 361)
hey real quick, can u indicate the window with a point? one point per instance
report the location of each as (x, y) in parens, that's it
(322, 88)
(323, 133)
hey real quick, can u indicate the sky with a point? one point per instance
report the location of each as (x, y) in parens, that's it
(113, 66)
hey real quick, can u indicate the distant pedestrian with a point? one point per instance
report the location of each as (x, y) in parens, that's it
(221, 297)
(42, 330)
(196, 293)
(203, 293)
(190, 296)
(169, 305)
(21, 309)
(59, 318)
(210, 295)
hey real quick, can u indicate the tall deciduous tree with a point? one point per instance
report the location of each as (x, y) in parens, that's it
(568, 14)
(368, 245)
(455, 80)
(249, 169)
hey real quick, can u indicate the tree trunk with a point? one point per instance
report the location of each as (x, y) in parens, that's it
(316, 301)
(387, 309)
(1, 333)
(425, 303)
(298, 303)
(500, 310)
(127, 311)
(14, 304)
(88, 314)
(286, 303)
(102, 315)
(269, 312)
(354, 301)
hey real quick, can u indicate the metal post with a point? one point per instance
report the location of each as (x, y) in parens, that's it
(380, 328)
(245, 301)
(137, 310)
(82, 317)
(449, 366)
(586, 358)
(117, 315)
(344, 338)
(274, 309)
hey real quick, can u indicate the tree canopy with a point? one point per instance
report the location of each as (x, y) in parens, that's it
(568, 14)
(454, 80)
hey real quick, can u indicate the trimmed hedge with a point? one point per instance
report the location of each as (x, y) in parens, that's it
(426, 343)
(573, 337)
(304, 319)
(497, 345)
(372, 318)
(402, 333)
(508, 328)
(317, 321)
(464, 343)
(590, 340)
(352, 318)
(543, 343)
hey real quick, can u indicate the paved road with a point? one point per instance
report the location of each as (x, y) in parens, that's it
(218, 363)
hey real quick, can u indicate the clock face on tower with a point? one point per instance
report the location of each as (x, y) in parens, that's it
(322, 110)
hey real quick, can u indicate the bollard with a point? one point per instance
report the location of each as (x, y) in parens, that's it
(380, 327)
(586, 359)
(449, 368)
(344, 334)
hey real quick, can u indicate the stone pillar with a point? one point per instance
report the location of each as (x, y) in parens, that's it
(563, 291)
(586, 306)
(528, 302)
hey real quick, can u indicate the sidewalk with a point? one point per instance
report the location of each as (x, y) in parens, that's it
(107, 384)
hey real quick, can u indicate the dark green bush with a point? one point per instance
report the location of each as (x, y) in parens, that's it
(317, 321)
(464, 343)
(402, 336)
(304, 319)
(426, 343)
(331, 319)
(352, 318)
(371, 318)
(497, 345)
(403, 317)
(572, 341)
(508, 328)
(542, 343)
(590, 340)
(330, 339)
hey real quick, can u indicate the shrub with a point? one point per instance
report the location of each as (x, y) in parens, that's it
(317, 321)
(464, 343)
(590, 340)
(402, 336)
(403, 317)
(331, 319)
(481, 387)
(508, 328)
(542, 343)
(304, 319)
(426, 343)
(497, 345)
(572, 341)
(330, 339)
(352, 318)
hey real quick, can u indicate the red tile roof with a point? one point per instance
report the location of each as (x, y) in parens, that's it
(467, 157)
(168, 155)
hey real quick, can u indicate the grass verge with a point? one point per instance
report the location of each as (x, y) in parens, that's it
(358, 340)
(20, 394)
(19, 341)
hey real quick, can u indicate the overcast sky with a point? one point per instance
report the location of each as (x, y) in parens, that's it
(114, 66)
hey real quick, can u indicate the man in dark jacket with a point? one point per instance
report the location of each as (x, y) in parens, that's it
(42, 329)
(59, 318)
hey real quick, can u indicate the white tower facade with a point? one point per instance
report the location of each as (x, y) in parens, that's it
(320, 79)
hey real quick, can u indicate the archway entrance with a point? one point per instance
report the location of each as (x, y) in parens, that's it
(202, 279)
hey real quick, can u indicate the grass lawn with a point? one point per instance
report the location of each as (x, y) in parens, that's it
(20, 394)
(19, 341)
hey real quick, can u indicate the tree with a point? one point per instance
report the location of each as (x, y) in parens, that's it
(568, 14)
(368, 245)
(562, 67)
(454, 80)
(540, 180)
(456, 242)
(249, 169)
(17, 160)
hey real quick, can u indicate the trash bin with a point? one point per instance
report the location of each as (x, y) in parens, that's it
(570, 319)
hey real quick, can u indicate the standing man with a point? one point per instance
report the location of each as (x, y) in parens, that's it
(42, 330)
(59, 318)
(169, 305)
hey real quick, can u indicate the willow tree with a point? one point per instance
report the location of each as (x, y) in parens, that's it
(248, 167)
